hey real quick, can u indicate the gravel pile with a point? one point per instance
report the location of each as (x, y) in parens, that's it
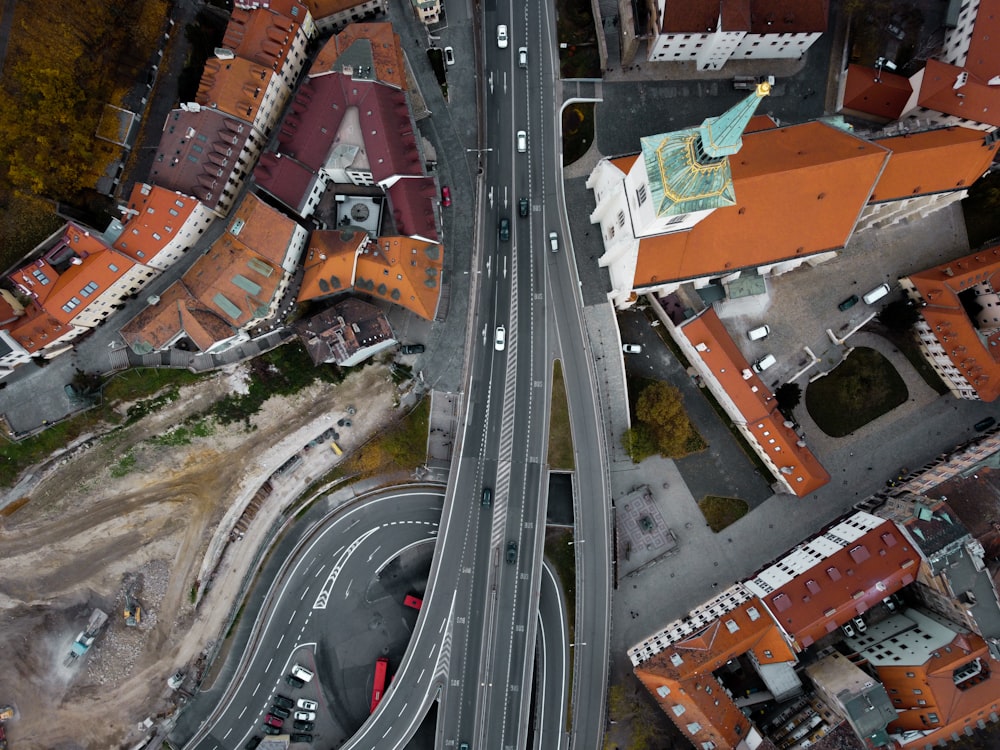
(115, 652)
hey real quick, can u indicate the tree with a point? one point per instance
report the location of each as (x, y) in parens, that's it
(789, 396)
(899, 316)
(661, 410)
(638, 443)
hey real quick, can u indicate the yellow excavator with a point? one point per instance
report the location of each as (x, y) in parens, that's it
(133, 611)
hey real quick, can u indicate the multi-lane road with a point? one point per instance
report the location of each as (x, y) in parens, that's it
(474, 645)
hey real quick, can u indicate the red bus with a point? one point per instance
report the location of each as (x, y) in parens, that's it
(378, 688)
(413, 601)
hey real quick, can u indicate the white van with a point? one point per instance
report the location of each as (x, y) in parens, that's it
(756, 334)
(302, 673)
(763, 363)
(876, 294)
(522, 141)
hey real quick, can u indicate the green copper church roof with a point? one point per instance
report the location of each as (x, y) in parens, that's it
(688, 170)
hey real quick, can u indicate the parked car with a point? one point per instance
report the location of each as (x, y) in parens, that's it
(306, 705)
(273, 721)
(281, 713)
(763, 363)
(500, 340)
(632, 348)
(848, 629)
(522, 207)
(522, 57)
(511, 552)
(301, 737)
(449, 55)
(269, 730)
(504, 229)
(445, 196)
(848, 303)
(253, 742)
(761, 332)
(876, 294)
(411, 349)
(985, 424)
(294, 681)
(554, 242)
(502, 36)
(303, 726)
(283, 701)
(859, 625)
(305, 716)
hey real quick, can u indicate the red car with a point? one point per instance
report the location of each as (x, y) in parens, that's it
(274, 721)
(445, 196)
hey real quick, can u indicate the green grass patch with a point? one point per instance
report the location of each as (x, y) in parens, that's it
(719, 511)
(124, 466)
(577, 130)
(184, 435)
(401, 447)
(864, 387)
(560, 434)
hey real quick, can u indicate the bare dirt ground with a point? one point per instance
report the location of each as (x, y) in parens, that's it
(67, 549)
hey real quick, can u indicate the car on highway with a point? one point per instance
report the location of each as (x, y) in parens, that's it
(500, 339)
(303, 726)
(411, 349)
(449, 55)
(307, 705)
(445, 196)
(305, 716)
(522, 207)
(522, 57)
(504, 229)
(502, 36)
(487, 497)
(511, 552)
(281, 713)
(522, 141)
(273, 721)
(464, 746)
(632, 348)
(301, 737)
(283, 701)
(848, 303)
(554, 242)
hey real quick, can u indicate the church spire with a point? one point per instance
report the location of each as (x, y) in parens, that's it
(688, 170)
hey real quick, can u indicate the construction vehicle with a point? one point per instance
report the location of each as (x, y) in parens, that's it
(86, 638)
(133, 610)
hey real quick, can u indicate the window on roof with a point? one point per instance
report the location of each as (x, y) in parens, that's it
(641, 195)
(112, 267)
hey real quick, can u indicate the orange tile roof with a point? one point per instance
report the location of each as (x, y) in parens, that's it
(324, 8)
(404, 271)
(884, 98)
(978, 359)
(976, 100)
(682, 675)
(263, 229)
(177, 313)
(813, 592)
(36, 329)
(157, 213)
(933, 161)
(235, 86)
(756, 403)
(261, 36)
(788, 16)
(799, 191)
(760, 122)
(329, 263)
(983, 59)
(386, 52)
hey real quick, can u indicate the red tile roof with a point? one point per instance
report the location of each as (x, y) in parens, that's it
(799, 191)
(836, 575)
(933, 161)
(178, 313)
(755, 16)
(413, 203)
(976, 100)
(757, 405)
(235, 87)
(884, 98)
(983, 59)
(262, 36)
(788, 16)
(698, 16)
(286, 178)
(976, 357)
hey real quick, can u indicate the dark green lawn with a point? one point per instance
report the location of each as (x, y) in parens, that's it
(862, 388)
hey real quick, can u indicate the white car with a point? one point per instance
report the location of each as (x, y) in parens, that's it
(449, 55)
(500, 340)
(522, 141)
(305, 716)
(502, 36)
(302, 673)
(554, 242)
(522, 57)
(306, 705)
(632, 348)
